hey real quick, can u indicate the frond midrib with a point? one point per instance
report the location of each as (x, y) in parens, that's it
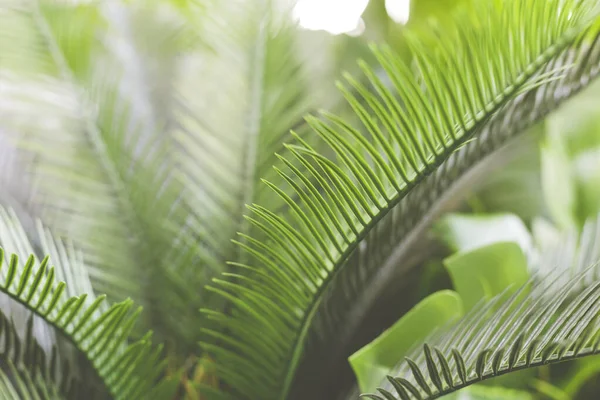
(439, 159)
(94, 135)
(108, 164)
(252, 137)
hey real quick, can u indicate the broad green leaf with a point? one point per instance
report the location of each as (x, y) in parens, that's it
(487, 271)
(465, 232)
(374, 361)
(557, 184)
(586, 174)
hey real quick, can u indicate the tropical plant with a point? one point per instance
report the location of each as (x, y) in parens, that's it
(160, 152)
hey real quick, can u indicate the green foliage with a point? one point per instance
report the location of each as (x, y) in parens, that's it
(553, 323)
(385, 174)
(374, 361)
(487, 271)
(97, 331)
(490, 270)
(142, 138)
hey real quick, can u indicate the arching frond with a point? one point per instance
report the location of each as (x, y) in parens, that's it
(552, 323)
(123, 100)
(315, 272)
(52, 313)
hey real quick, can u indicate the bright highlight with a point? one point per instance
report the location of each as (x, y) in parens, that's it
(398, 10)
(333, 16)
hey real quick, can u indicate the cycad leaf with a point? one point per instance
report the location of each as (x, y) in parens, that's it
(551, 324)
(20, 384)
(84, 124)
(96, 333)
(236, 105)
(126, 371)
(319, 268)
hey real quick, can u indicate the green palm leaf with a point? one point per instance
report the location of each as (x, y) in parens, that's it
(234, 106)
(85, 323)
(144, 108)
(551, 319)
(315, 272)
(255, 84)
(90, 137)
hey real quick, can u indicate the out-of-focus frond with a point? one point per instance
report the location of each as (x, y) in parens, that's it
(100, 163)
(236, 106)
(20, 384)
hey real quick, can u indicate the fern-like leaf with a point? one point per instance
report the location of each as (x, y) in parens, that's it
(97, 333)
(547, 321)
(90, 137)
(316, 271)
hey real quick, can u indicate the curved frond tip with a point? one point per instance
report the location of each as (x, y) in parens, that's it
(545, 322)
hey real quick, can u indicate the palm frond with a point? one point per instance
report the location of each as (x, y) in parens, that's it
(49, 313)
(551, 319)
(90, 137)
(314, 272)
(235, 106)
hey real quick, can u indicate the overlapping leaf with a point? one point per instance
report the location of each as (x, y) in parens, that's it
(18, 383)
(235, 105)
